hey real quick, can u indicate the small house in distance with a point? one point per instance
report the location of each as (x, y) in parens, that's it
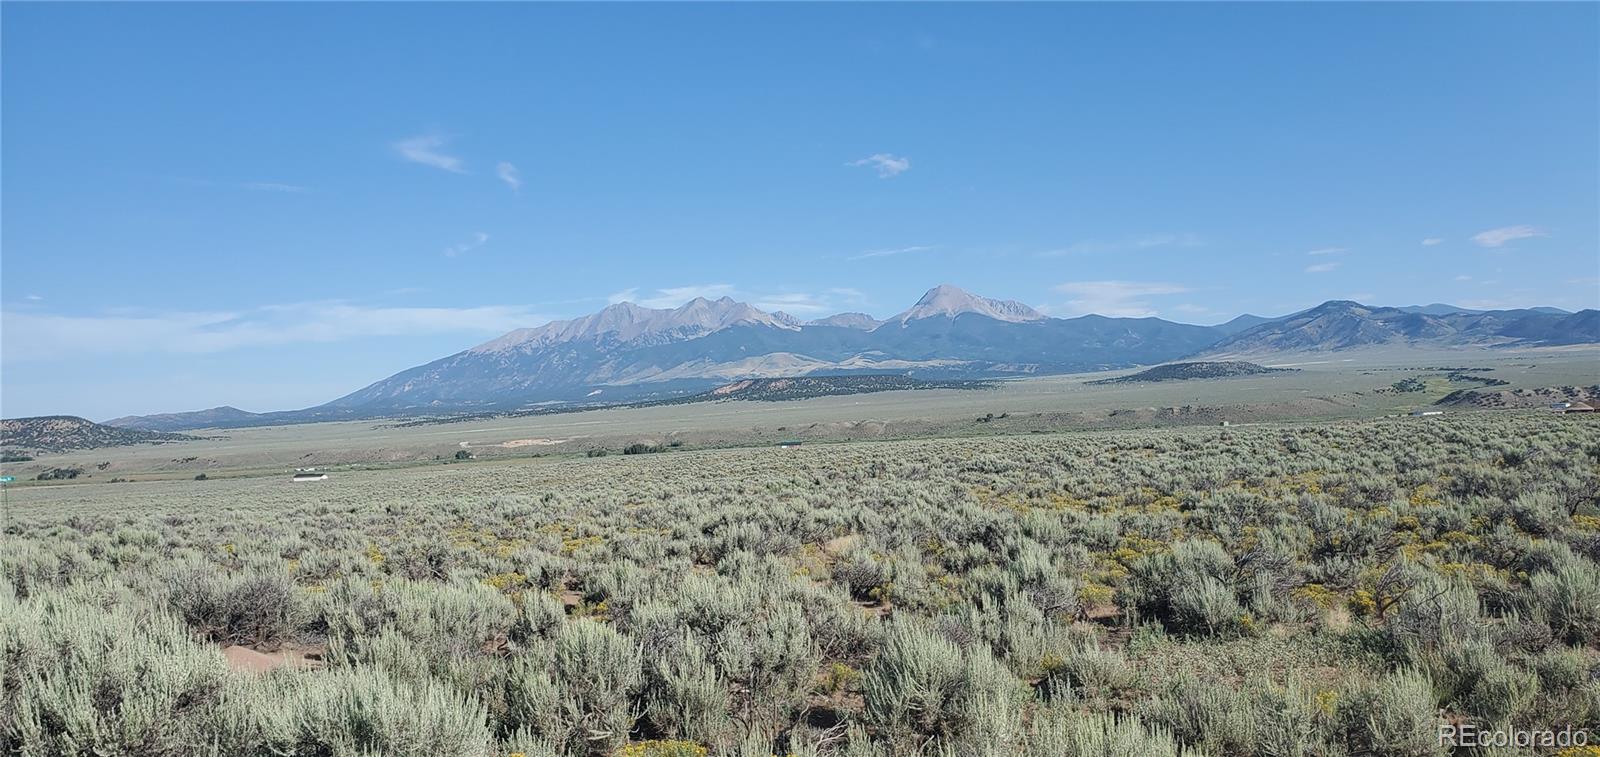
(789, 444)
(1427, 412)
(309, 475)
(1573, 406)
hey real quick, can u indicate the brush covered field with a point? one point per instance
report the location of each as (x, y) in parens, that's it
(1353, 385)
(1313, 589)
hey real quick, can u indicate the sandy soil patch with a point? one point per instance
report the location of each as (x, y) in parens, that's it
(531, 443)
(250, 661)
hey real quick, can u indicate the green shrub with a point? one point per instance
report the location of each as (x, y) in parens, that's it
(1397, 716)
(1568, 599)
(256, 609)
(1160, 590)
(352, 711)
(686, 698)
(1189, 589)
(1073, 734)
(1204, 714)
(923, 687)
(584, 699)
(85, 679)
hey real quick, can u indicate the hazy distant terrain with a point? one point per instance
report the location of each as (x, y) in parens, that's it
(806, 387)
(216, 417)
(628, 354)
(1194, 370)
(60, 433)
(1348, 384)
(1341, 324)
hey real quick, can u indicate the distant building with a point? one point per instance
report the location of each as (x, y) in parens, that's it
(1573, 406)
(1427, 412)
(789, 443)
(310, 475)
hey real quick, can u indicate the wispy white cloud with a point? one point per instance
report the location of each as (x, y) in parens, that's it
(1499, 237)
(1329, 251)
(31, 336)
(508, 173)
(252, 186)
(796, 303)
(671, 297)
(424, 149)
(1129, 244)
(477, 240)
(272, 186)
(33, 298)
(1463, 277)
(891, 252)
(1514, 299)
(1322, 267)
(1112, 298)
(1431, 241)
(887, 165)
(827, 301)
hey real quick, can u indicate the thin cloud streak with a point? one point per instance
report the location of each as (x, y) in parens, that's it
(1500, 236)
(508, 173)
(478, 240)
(272, 186)
(795, 303)
(1130, 244)
(891, 252)
(424, 150)
(1124, 299)
(34, 336)
(671, 297)
(887, 165)
(827, 301)
(1322, 268)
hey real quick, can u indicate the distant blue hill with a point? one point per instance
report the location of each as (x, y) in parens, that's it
(1439, 308)
(626, 353)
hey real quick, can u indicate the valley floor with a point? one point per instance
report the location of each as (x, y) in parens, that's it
(1326, 386)
(1319, 588)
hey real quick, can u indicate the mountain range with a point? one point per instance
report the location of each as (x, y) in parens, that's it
(1342, 324)
(627, 352)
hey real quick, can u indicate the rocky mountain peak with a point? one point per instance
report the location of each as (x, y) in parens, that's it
(949, 301)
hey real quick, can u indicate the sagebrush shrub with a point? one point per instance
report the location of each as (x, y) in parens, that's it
(922, 687)
(1320, 589)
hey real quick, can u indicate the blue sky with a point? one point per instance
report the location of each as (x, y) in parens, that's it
(270, 205)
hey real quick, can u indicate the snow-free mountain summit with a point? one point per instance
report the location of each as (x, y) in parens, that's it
(629, 350)
(626, 352)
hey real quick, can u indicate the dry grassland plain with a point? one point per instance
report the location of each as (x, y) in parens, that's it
(1326, 579)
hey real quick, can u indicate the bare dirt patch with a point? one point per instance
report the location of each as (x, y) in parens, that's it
(249, 660)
